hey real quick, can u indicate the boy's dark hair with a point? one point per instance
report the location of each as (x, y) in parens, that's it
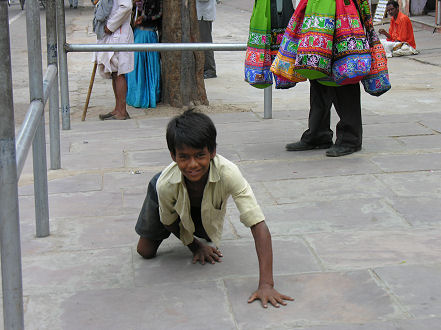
(193, 129)
(393, 3)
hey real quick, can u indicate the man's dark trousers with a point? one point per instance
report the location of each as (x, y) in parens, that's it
(346, 100)
(205, 29)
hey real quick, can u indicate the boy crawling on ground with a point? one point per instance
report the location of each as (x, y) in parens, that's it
(189, 198)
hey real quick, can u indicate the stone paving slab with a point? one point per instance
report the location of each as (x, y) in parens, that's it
(324, 216)
(418, 184)
(395, 129)
(85, 233)
(365, 249)
(198, 305)
(398, 163)
(77, 270)
(428, 323)
(326, 188)
(70, 184)
(422, 142)
(239, 260)
(349, 297)
(419, 211)
(299, 169)
(416, 287)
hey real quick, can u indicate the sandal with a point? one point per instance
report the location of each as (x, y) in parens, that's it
(113, 117)
(104, 116)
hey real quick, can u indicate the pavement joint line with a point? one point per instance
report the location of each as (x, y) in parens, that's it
(221, 285)
(383, 285)
(425, 62)
(398, 213)
(309, 246)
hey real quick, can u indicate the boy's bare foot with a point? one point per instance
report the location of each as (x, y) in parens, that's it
(147, 247)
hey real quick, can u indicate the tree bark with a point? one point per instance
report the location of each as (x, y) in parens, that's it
(182, 71)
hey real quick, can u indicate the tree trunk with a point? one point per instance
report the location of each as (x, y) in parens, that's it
(182, 71)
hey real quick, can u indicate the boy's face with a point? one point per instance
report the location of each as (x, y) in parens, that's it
(193, 163)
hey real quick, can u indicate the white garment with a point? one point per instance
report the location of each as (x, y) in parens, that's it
(397, 48)
(119, 24)
(206, 10)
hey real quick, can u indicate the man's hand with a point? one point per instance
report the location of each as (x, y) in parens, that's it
(107, 31)
(266, 293)
(202, 253)
(383, 32)
(138, 20)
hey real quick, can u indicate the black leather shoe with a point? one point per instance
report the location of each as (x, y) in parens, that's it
(302, 146)
(337, 151)
(208, 75)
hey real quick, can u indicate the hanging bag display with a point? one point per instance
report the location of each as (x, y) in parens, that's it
(314, 53)
(284, 63)
(377, 81)
(258, 54)
(281, 13)
(351, 58)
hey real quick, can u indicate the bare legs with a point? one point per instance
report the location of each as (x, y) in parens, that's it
(119, 85)
(147, 248)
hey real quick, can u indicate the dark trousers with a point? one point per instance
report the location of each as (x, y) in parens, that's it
(205, 28)
(149, 224)
(346, 100)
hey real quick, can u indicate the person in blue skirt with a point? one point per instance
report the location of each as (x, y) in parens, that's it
(144, 83)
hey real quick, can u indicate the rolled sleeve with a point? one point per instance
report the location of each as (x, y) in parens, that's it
(243, 196)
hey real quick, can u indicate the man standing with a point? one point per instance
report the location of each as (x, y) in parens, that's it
(114, 65)
(206, 10)
(347, 103)
(73, 3)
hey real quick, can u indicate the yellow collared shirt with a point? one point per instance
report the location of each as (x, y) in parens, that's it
(224, 180)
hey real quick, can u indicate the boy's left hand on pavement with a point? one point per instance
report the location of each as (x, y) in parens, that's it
(266, 293)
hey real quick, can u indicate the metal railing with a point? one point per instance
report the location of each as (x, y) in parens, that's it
(13, 152)
(161, 47)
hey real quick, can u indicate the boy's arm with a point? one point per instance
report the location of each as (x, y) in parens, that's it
(265, 292)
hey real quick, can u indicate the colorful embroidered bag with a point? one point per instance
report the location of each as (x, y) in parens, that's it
(314, 53)
(281, 12)
(377, 81)
(284, 63)
(258, 55)
(351, 58)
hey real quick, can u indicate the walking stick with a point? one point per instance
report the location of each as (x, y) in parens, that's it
(92, 79)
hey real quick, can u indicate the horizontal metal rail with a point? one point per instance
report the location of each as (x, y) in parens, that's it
(153, 47)
(166, 47)
(32, 119)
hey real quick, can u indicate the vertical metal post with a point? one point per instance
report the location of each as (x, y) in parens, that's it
(36, 93)
(54, 117)
(268, 102)
(62, 57)
(9, 218)
(438, 12)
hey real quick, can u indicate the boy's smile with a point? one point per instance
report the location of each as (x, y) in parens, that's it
(193, 163)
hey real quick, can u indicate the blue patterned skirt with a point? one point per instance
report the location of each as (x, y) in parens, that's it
(144, 82)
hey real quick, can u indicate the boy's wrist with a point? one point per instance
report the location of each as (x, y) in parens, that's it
(263, 284)
(194, 246)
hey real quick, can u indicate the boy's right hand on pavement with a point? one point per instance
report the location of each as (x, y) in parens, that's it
(204, 253)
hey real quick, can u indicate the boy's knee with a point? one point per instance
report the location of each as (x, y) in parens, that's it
(147, 248)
